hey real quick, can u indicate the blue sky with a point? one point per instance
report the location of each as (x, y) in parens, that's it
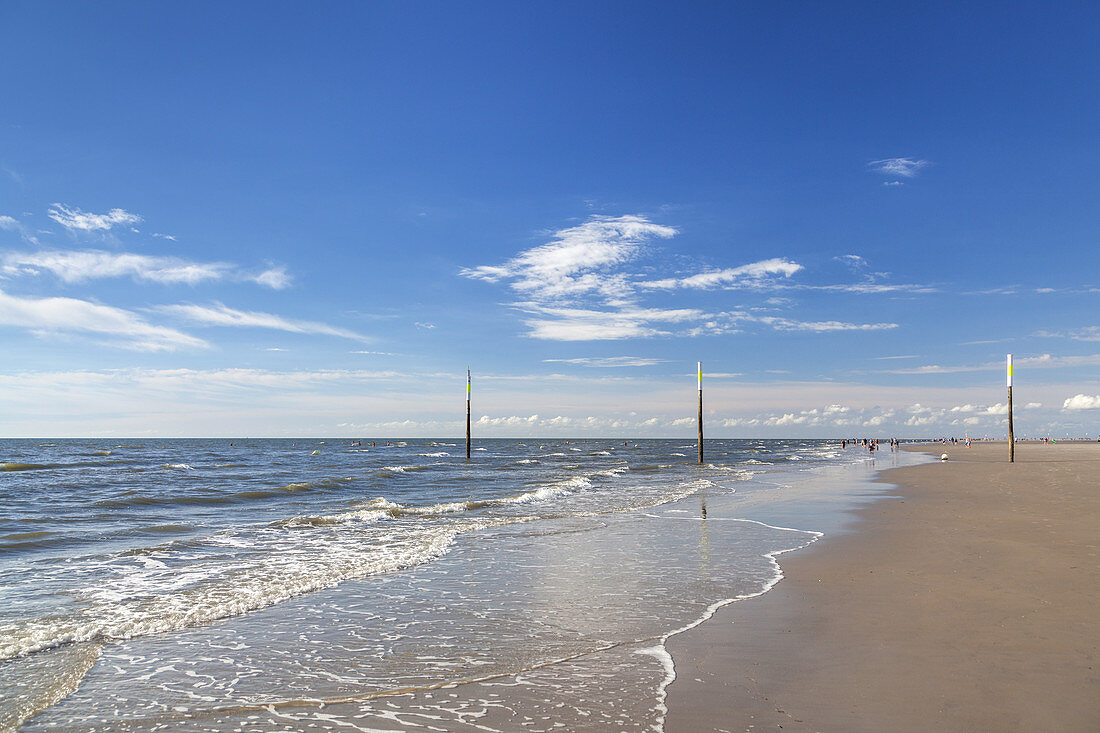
(285, 219)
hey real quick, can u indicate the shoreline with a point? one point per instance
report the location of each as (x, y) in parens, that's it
(972, 613)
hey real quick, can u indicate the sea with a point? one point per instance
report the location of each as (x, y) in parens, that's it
(387, 585)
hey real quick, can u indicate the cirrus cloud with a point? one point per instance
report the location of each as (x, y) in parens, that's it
(75, 219)
(218, 314)
(54, 316)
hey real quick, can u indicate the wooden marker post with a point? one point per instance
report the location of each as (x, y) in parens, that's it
(467, 413)
(700, 413)
(1011, 435)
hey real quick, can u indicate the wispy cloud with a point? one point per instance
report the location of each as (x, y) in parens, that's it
(75, 219)
(577, 288)
(80, 266)
(276, 278)
(577, 260)
(1088, 333)
(855, 262)
(786, 324)
(53, 316)
(610, 361)
(218, 314)
(904, 167)
(83, 265)
(745, 275)
(1042, 361)
(8, 223)
(579, 324)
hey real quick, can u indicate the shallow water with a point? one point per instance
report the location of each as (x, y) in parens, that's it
(199, 585)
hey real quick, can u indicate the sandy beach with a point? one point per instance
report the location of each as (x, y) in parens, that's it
(964, 602)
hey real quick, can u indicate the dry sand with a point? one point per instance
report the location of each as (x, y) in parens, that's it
(969, 603)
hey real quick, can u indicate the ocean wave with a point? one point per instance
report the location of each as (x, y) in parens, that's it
(152, 598)
(180, 466)
(441, 454)
(24, 466)
(369, 511)
(390, 470)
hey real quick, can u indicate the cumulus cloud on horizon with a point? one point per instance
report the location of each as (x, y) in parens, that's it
(1082, 402)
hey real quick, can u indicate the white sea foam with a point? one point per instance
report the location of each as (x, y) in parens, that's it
(181, 466)
(660, 650)
(135, 599)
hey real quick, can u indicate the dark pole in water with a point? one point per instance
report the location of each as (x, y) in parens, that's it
(467, 413)
(700, 413)
(1011, 436)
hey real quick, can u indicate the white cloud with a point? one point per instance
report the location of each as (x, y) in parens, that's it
(11, 224)
(1088, 333)
(510, 421)
(1082, 402)
(73, 266)
(74, 219)
(904, 167)
(276, 278)
(866, 288)
(732, 277)
(785, 324)
(50, 316)
(576, 289)
(1043, 361)
(221, 315)
(576, 261)
(855, 262)
(578, 324)
(610, 361)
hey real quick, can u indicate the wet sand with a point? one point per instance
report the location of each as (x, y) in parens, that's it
(967, 602)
